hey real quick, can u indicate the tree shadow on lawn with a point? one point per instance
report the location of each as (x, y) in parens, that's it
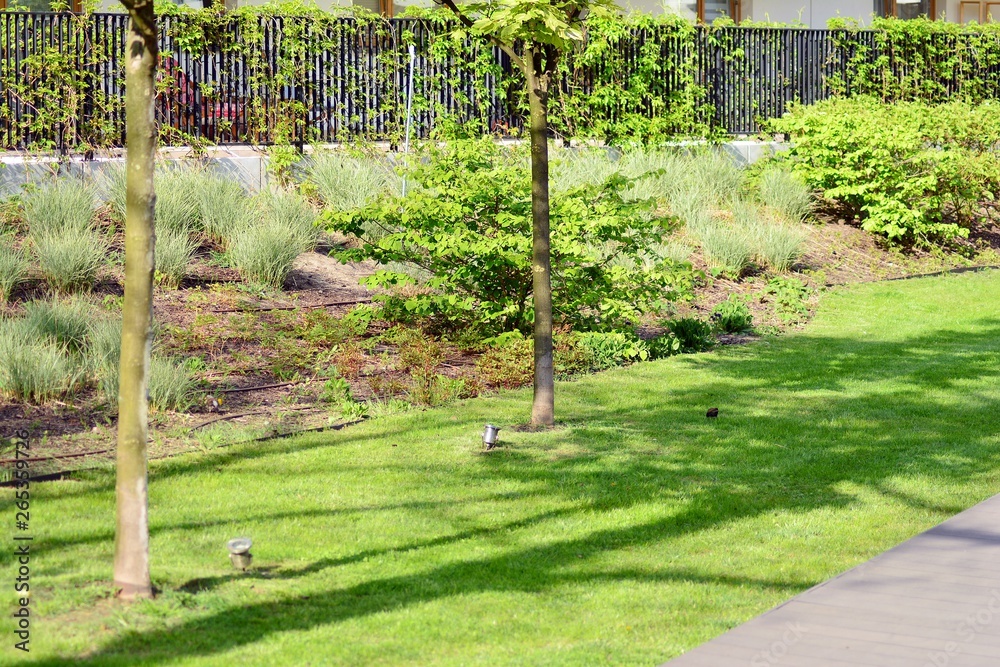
(801, 419)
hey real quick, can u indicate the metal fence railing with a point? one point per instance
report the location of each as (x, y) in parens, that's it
(62, 80)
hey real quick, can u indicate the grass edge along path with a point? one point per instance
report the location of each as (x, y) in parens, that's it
(634, 531)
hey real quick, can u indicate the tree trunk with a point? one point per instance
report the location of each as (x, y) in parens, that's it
(132, 535)
(543, 406)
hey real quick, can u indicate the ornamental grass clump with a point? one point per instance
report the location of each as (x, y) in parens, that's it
(658, 174)
(171, 385)
(69, 258)
(174, 249)
(65, 322)
(779, 244)
(178, 206)
(575, 168)
(283, 228)
(693, 207)
(715, 173)
(103, 356)
(224, 207)
(775, 243)
(60, 217)
(13, 267)
(346, 183)
(113, 190)
(66, 204)
(32, 369)
(785, 193)
(727, 249)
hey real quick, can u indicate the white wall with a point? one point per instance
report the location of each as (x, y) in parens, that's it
(813, 13)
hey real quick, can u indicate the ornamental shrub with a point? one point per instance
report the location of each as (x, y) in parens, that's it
(468, 224)
(732, 316)
(913, 173)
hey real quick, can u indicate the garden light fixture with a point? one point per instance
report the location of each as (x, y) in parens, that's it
(239, 552)
(491, 435)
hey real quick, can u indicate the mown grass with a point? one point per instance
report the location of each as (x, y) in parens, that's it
(634, 531)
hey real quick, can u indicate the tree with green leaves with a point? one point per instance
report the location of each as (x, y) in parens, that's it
(131, 570)
(534, 34)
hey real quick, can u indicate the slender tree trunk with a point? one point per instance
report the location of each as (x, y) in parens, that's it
(543, 406)
(132, 535)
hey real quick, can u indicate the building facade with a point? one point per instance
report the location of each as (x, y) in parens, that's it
(816, 13)
(811, 13)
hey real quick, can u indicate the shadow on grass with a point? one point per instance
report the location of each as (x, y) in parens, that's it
(800, 419)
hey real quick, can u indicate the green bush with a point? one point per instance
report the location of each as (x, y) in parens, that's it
(789, 296)
(732, 316)
(70, 258)
(174, 250)
(694, 335)
(612, 348)
(914, 173)
(663, 346)
(13, 267)
(66, 204)
(469, 226)
(508, 365)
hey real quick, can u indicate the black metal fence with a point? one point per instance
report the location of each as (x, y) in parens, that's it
(61, 78)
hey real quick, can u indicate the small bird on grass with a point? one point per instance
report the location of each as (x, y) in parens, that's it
(712, 413)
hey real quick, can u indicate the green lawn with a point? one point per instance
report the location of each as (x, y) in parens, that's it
(635, 531)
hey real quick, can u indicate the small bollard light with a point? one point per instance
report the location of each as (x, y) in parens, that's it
(491, 435)
(239, 552)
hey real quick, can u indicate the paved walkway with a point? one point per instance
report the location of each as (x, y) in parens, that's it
(933, 601)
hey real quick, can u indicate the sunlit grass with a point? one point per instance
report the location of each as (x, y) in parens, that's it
(635, 530)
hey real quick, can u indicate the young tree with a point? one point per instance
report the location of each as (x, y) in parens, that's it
(132, 532)
(534, 34)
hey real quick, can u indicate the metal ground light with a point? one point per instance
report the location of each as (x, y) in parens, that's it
(491, 436)
(239, 552)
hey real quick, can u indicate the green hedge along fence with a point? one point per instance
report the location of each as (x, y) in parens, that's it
(291, 75)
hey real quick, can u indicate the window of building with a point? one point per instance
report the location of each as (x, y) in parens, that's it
(382, 7)
(704, 11)
(906, 9)
(980, 11)
(36, 5)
